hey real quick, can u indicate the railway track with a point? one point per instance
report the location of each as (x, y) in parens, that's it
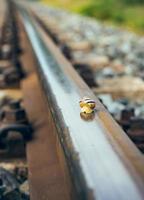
(69, 156)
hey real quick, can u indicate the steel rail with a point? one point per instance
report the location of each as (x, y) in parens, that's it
(2, 12)
(103, 162)
(3, 8)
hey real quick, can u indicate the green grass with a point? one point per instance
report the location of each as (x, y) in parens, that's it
(124, 13)
(72, 5)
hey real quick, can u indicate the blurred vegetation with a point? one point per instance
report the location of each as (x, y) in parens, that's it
(125, 13)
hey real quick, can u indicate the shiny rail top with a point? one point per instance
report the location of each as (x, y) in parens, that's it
(103, 162)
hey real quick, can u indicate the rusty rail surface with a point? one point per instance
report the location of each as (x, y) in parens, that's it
(103, 163)
(2, 17)
(2, 12)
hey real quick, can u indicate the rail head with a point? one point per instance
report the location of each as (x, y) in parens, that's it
(103, 162)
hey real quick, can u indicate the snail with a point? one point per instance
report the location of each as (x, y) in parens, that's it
(87, 105)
